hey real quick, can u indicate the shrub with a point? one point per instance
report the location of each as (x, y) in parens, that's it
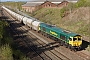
(62, 11)
(83, 3)
(6, 52)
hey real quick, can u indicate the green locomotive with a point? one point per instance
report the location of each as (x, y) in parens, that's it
(67, 38)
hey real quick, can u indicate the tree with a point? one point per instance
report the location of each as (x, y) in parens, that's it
(82, 3)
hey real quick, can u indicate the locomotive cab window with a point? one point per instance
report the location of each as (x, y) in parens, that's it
(74, 39)
(70, 39)
(79, 38)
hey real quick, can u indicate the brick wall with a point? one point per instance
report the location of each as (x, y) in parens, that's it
(29, 8)
(46, 4)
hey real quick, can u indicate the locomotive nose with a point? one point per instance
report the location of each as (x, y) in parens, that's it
(76, 44)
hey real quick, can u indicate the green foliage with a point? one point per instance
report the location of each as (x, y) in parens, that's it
(48, 15)
(14, 5)
(3, 24)
(83, 3)
(62, 11)
(18, 54)
(6, 38)
(7, 46)
(71, 7)
(6, 52)
(4, 35)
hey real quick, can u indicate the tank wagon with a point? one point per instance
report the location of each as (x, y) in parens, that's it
(36, 25)
(29, 23)
(67, 38)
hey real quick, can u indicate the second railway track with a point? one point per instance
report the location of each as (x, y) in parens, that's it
(50, 55)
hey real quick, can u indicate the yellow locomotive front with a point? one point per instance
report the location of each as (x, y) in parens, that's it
(76, 42)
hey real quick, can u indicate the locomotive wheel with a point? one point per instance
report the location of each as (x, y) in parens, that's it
(42, 33)
(70, 47)
(47, 36)
(75, 50)
(66, 45)
(79, 49)
(61, 43)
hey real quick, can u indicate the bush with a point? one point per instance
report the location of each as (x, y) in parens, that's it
(83, 3)
(3, 25)
(14, 5)
(62, 11)
(6, 52)
(19, 55)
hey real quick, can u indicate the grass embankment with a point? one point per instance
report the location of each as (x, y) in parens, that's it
(48, 15)
(8, 49)
(77, 21)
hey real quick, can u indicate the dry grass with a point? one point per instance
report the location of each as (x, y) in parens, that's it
(78, 21)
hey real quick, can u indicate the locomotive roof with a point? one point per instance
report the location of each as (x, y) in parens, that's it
(59, 30)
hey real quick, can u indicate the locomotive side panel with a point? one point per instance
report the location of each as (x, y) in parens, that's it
(49, 30)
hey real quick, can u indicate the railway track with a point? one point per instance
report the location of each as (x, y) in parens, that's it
(41, 44)
(52, 53)
(44, 46)
(83, 55)
(21, 38)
